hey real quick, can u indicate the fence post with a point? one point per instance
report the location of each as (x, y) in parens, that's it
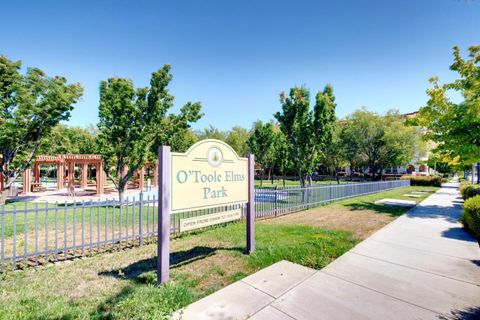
(163, 231)
(275, 203)
(251, 204)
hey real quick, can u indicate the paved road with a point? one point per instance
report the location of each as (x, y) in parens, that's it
(421, 266)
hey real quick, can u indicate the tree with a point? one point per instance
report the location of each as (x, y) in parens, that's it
(307, 131)
(64, 139)
(334, 152)
(262, 144)
(133, 122)
(401, 142)
(455, 126)
(367, 131)
(378, 141)
(283, 154)
(237, 139)
(212, 133)
(30, 106)
(350, 146)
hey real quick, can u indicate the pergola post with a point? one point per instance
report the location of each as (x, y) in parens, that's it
(84, 175)
(27, 181)
(36, 174)
(100, 177)
(141, 182)
(155, 175)
(60, 175)
(71, 178)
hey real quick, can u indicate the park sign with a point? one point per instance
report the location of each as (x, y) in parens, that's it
(209, 175)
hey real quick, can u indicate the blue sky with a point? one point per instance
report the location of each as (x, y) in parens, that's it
(236, 56)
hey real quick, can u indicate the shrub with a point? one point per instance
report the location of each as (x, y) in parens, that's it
(471, 216)
(425, 181)
(463, 189)
(471, 191)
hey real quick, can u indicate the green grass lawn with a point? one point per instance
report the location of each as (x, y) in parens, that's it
(122, 284)
(368, 202)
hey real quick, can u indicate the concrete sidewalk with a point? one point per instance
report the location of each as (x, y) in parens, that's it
(421, 266)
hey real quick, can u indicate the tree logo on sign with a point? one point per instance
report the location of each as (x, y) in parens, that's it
(214, 157)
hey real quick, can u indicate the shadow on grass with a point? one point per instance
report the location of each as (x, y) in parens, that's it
(177, 259)
(365, 205)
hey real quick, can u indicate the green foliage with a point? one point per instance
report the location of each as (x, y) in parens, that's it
(469, 191)
(134, 122)
(237, 139)
(455, 126)
(378, 141)
(212, 133)
(463, 187)
(64, 139)
(31, 104)
(334, 154)
(283, 153)
(262, 144)
(471, 216)
(306, 131)
(431, 181)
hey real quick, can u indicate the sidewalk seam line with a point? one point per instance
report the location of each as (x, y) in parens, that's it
(275, 299)
(382, 293)
(417, 269)
(423, 250)
(283, 312)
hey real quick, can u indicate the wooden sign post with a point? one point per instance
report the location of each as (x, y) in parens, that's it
(210, 174)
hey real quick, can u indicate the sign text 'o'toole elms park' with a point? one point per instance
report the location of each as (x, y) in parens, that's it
(209, 175)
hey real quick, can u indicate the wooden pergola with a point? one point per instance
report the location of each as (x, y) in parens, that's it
(65, 164)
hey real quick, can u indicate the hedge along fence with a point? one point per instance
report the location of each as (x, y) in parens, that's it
(471, 216)
(424, 181)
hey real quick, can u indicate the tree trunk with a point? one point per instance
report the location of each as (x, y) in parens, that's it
(478, 172)
(3, 196)
(271, 169)
(302, 181)
(336, 175)
(373, 170)
(283, 178)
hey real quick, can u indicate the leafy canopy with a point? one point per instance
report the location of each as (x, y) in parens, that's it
(31, 104)
(455, 126)
(134, 122)
(306, 131)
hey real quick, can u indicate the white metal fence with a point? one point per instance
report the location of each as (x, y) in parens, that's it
(38, 233)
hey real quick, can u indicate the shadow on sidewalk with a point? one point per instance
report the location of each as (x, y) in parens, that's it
(458, 233)
(472, 313)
